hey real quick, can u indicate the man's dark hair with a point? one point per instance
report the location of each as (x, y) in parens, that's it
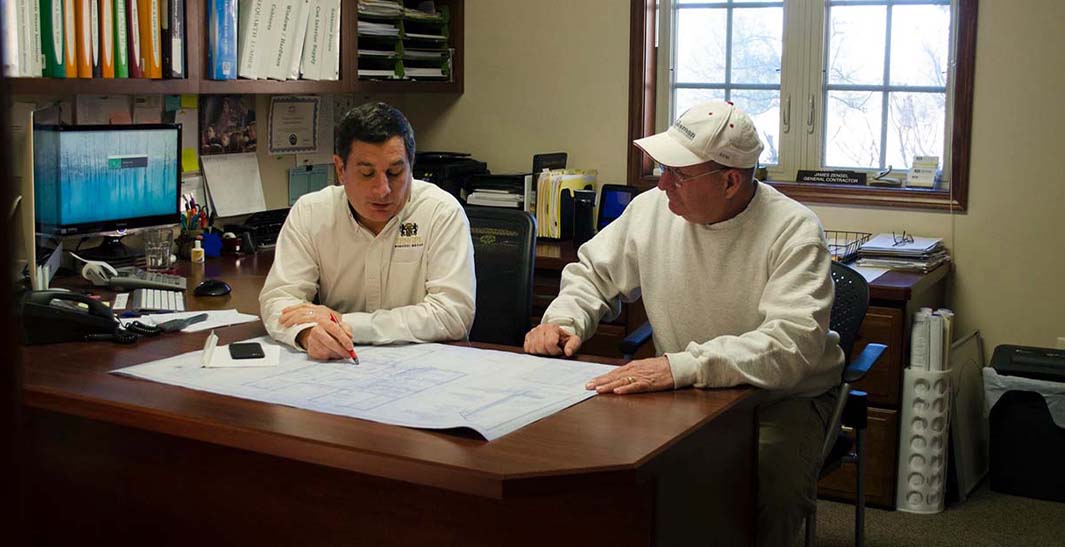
(375, 123)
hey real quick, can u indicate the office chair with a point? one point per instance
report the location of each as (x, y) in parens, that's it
(504, 250)
(848, 310)
(851, 412)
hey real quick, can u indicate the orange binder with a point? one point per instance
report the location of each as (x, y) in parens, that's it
(83, 35)
(70, 41)
(151, 47)
(107, 41)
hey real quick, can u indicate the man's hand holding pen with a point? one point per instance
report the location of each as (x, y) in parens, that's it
(327, 339)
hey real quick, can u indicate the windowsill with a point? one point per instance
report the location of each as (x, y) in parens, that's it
(869, 196)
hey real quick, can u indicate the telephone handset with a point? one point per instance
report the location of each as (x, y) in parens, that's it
(63, 316)
(103, 274)
(97, 271)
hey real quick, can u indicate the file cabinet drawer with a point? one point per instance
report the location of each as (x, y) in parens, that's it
(883, 326)
(880, 464)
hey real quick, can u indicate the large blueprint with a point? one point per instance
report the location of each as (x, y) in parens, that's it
(433, 386)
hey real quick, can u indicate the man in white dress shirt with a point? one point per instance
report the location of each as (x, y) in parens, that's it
(389, 257)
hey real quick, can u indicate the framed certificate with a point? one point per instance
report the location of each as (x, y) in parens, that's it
(293, 124)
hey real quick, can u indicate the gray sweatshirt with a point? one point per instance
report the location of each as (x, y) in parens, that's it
(744, 301)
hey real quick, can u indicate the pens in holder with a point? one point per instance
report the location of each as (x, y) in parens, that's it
(351, 352)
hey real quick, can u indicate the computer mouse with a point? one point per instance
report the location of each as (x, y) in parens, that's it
(212, 287)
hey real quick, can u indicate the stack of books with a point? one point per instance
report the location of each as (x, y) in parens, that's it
(903, 252)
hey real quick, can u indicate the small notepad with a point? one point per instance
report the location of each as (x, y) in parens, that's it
(215, 356)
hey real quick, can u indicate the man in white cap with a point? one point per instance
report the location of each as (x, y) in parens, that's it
(735, 280)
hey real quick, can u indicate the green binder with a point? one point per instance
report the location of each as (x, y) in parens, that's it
(118, 29)
(52, 38)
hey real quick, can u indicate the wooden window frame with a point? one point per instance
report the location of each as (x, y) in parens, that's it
(642, 90)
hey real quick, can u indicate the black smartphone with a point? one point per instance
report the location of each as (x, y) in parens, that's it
(246, 350)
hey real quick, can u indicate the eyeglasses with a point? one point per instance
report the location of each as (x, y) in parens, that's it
(901, 239)
(680, 180)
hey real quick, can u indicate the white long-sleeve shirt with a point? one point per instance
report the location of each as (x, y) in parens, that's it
(744, 301)
(412, 282)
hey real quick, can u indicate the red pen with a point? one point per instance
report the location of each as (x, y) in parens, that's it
(351, 352)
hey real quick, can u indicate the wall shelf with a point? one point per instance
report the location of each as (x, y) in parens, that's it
(196, 55)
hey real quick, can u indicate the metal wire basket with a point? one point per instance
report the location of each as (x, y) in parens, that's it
(844, 245)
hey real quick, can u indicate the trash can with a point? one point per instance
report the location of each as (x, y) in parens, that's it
(1025, 393)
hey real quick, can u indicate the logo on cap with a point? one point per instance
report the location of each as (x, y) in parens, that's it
(684, 129)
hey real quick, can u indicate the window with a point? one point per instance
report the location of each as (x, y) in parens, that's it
(848, 84)
(729, 51)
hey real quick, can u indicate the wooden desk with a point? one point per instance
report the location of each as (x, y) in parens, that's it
(119, 459)
(893, 299)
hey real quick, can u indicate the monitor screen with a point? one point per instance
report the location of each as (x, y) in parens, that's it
(612, 202)
(102, 179)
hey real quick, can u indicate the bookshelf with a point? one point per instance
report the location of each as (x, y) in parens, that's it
(197, 83)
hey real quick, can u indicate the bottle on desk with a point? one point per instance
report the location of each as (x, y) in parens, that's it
(196, 254)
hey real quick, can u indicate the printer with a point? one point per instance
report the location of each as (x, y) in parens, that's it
(451, 171)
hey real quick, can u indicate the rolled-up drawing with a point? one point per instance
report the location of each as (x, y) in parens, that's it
(948, 334)
(936, 330)
(919, 339)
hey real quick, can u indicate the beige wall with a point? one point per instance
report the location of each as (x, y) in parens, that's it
(537, 80)
(540, 76)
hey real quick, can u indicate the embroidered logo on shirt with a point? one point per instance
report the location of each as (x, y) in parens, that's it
(408, 236)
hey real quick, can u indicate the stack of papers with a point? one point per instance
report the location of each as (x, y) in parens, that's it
(419, 15)
(372, 73)
(424, 72)
(377, 53)
(215, 319)
(495, 198)
(366, 28)
(916, 254)
(421, 36)
(380, 8)
(423, 53)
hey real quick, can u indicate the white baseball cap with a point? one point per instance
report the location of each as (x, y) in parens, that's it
(715, 131)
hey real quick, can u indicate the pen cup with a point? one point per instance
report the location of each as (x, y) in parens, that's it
(157, 244)
(185, 243)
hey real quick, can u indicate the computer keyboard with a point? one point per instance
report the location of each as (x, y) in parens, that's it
(136, 278)
(157, 300)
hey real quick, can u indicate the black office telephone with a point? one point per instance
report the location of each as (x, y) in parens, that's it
(61, 316)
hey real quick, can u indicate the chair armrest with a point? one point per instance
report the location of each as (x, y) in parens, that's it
(858, 367)
(856, 410)
(635, 339)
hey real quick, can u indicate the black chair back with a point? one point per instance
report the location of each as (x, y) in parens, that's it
(504, 250)
(849, 306)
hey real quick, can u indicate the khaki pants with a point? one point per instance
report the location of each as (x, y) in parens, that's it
(790, 435)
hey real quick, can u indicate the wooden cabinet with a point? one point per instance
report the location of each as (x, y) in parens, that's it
(197, 82)
(894, 297)
(880, 463)
(882, 326)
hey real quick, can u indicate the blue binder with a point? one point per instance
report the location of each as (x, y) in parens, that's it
(222, 39)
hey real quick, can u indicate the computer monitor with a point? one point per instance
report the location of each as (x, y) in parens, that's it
(613, 199)
(106, 180)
